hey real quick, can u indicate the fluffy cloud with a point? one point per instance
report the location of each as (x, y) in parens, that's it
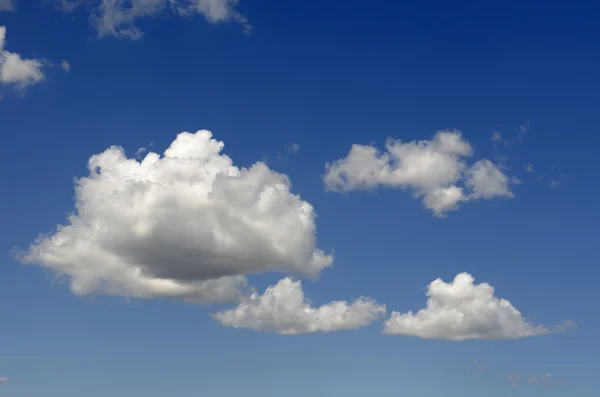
(284, 309)
(66, 66)
(433, 170)
(186, 225)
(118, 17)
(7, 5)
(463, 310)
(15, 70)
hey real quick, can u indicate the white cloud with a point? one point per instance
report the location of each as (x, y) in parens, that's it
(516, 376)
(14, 69)
(293, 148)
(462, 310)
(559, 182)
(119, 17)
(284, 309)
(515, 380)
(529, 168)
(66, 66)
(433, 170)
(478, 366)
(70, 5)
(8, 5)
(485, 180)
(186, 225)
(497, 136)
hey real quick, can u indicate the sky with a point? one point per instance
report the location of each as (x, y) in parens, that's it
(222, 197)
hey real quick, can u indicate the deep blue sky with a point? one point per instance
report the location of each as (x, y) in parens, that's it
(325, 75)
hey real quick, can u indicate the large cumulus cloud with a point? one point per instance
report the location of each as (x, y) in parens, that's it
(188, 224)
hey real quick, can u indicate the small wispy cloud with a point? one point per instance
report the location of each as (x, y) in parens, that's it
(515, 181)
(70, 5)
(514, 379)
(477, 366)
(564, 326)
(3, 380)
(517, 380)
(289, 150)
(142, 150)
(293, 147)
(549, 380)
(8, 5)
(120, 18)
(545, 380)
(497, 136)
(529, 168)
(562, 178)
(66, 66)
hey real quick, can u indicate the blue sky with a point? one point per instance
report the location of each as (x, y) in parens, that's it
(263, 76)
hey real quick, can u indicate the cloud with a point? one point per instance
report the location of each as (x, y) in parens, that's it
(70, 5)
(283, 309)
(555, 184)
(66, 66)
(485, 180)
(290, 149)
(8, 5)
(119, 17)
(529, 168)
(3, 380)
(497, 136)
(558, 182)
(186, 225)
(515, 380)
(478, 366)
(15, 70)
(462, 310)
(293, 148)
(433, 170)
(18, 72)
(545, 380)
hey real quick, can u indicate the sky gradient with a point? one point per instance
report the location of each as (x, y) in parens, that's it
(389, 145)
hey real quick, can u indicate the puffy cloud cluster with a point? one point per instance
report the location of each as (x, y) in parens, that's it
(15, 70)
(118, 17)
(186, 225)
(191, 225)
(434, 170)
(462, 310)
(284, 309)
